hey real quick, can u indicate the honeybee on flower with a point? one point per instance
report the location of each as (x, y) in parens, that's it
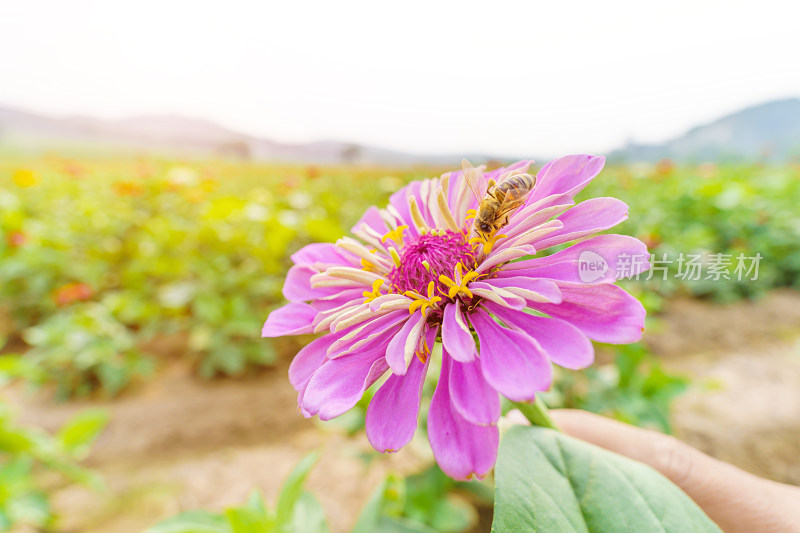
(422, 272)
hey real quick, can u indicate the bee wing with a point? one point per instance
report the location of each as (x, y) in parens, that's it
(471, 176)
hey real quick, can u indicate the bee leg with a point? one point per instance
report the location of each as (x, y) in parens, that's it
(490, 186)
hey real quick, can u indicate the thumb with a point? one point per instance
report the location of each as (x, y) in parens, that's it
(734, 499)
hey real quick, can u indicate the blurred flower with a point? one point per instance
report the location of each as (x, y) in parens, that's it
(71, 293)
(128, 188)
(416, 278)
(15, 239)
(25, 178)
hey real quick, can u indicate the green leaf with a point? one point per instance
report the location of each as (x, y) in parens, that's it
(193, 522)
(77, 435)
(290, 493)
(389, 496)
(309, 517)
(547, 481)
(252, 517)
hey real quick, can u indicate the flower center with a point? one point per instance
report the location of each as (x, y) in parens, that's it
(428, 256)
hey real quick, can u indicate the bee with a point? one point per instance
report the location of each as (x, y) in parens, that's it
(500, 201)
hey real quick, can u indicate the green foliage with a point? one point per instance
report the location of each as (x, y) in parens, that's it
(160, 247)
(547, 481)
(84, 346)
(131, 250)
(709, 209)
(635, 388)
(423, 503)
(28, 458)
(297, 511)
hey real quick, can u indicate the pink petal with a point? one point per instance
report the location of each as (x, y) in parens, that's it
(297, 287)
(291, 319)
(566, 175)
(529, 288)
(512, 362)
(399, 200)
(456, 336)
(322, 252)
(497, 294)
(367, 334)
(339, 383)
(308, 360)
(372, 219)
(474, 399)
(463, 450)
(563, 343)
(603, 312)
(621, 254)
(584, 219)
(392, 414)
(404, 344)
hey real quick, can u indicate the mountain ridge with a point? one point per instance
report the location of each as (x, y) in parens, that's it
(768, 131)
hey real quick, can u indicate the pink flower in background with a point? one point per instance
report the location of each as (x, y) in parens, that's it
(416, 276)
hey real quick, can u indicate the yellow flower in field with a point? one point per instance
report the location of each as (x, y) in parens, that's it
(25, 178)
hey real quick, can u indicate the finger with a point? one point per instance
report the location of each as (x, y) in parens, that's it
(733, 498)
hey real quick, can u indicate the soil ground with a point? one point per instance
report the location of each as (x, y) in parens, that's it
(179, 443)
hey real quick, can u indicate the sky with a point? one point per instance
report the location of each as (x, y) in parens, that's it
(516, 78)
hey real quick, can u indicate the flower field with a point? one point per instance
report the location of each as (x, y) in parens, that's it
(103, 260)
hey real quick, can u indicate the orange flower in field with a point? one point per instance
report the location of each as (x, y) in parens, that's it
(25, 178)
(128, 188)
(71, 293)
(15, 239)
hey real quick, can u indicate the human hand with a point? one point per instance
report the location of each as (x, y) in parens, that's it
(736, 500)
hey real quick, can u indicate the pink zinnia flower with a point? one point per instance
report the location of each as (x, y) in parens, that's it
(416, 276)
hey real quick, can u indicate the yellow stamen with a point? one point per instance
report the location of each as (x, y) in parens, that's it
(458, 285)
(395, 256)
(396, 234)
(376, 291)
(426, 265)
(421, 302)
(489, 243)
(416, 214)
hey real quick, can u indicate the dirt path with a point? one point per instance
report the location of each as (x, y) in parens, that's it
(744, 363)
(180, 443)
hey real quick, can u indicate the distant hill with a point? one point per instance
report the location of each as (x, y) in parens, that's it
(172, 134)
(769, 131)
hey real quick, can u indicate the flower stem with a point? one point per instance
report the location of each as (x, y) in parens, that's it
(536, 413)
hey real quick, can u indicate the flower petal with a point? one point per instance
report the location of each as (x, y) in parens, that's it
(512, 362)
(461, 449)
(584, 219)
(456, 336)
(308, 360)
(604, 312)
(392, 414)
(566, 175)
(497, 294)
(291, 319)
(471, 395)
(529, 288)
(563, 343)
(372, 218)
(404, 344)
(623, 256)
(339, 383)
(365, 335)
(322, 253)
